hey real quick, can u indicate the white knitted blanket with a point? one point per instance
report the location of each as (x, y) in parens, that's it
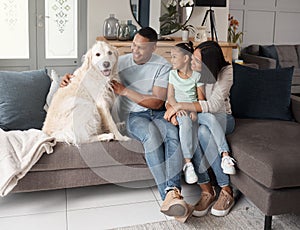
(19, 151)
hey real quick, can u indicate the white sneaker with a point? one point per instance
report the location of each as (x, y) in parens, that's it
(227, 165)
(189, 173)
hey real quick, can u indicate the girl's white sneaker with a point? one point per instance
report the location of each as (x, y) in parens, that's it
(227, 165)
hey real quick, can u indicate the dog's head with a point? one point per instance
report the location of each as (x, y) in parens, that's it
(104, 57)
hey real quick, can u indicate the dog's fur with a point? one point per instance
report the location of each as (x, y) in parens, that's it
(80, 112)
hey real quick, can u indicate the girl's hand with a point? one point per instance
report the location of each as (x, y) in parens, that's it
(181, 113)
(174, 120)
(193, 116)
(169, 113)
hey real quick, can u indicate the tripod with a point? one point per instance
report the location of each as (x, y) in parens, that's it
(213, 31)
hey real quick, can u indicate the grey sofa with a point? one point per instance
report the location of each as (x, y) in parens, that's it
(286, 55)
(267, 152)
(22, 102)
(91, 164)
(268, 161)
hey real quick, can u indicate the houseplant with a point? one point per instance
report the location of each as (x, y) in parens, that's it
(186, 30)
(169, 21)
(234, 36)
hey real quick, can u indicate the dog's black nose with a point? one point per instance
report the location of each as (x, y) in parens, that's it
(106, 64)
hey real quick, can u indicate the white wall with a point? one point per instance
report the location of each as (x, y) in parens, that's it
(267, 22)
(98, 11)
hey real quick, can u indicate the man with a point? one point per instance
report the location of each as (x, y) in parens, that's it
(143, 90)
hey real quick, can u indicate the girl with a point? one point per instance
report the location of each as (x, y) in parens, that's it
(184, 86)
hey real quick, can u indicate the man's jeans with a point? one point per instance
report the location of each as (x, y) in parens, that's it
(161, 144)
(211, 135)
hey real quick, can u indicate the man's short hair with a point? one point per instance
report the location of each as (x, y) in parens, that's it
(149, 33)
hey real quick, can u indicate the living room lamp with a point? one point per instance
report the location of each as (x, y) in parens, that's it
(210, 12)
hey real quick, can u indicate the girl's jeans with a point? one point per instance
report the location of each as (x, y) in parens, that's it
(187, 136)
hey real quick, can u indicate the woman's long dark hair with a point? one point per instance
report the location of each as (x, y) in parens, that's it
(212, 57)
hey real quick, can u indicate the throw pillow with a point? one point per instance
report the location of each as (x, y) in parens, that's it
(262, 94)
(269, 52)
(53, 88)
(23, 95)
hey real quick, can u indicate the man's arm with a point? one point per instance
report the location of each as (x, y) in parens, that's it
(154, 101)
(66, 79)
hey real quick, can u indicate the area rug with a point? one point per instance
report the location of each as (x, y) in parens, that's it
(245, 218)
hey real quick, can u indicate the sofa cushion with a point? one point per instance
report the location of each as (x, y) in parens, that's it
(296, 82)
(263, 94)
(269, 52)
(92, 155)
(267, 151)
(287, 55)
(23, 95)
(295, 101)
(55, 84)
(252, 49)
(298, 53)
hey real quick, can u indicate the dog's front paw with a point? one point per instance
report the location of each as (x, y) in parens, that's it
(123, 138)
(106, 137)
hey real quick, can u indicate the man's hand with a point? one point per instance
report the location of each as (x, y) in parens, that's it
(66, 79)
(118, 88)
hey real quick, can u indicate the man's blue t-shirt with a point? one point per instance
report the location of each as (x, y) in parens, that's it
(141, 78)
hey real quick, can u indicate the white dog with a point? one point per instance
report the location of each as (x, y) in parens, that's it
(80, 112)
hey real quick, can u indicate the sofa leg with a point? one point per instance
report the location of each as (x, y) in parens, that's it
(268, 223)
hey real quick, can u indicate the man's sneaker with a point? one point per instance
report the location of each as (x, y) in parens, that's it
(183, 219)
(174, 205)
(189, 173)
(223, 205)
(227, 165)
(204, 204)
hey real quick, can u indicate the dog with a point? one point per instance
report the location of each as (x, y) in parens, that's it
(81, 111)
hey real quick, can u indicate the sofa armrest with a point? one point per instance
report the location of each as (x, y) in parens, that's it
(262, 62)
(295, 101)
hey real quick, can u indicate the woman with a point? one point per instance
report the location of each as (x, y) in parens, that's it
(215, 119)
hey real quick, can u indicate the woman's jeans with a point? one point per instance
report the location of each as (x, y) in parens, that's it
(162, 148)
(211, 135)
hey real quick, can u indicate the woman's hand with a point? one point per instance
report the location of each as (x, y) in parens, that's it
(66, 80)
(118, 88)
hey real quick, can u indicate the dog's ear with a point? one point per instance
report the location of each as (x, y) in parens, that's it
(116, 53)
(87, 59)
